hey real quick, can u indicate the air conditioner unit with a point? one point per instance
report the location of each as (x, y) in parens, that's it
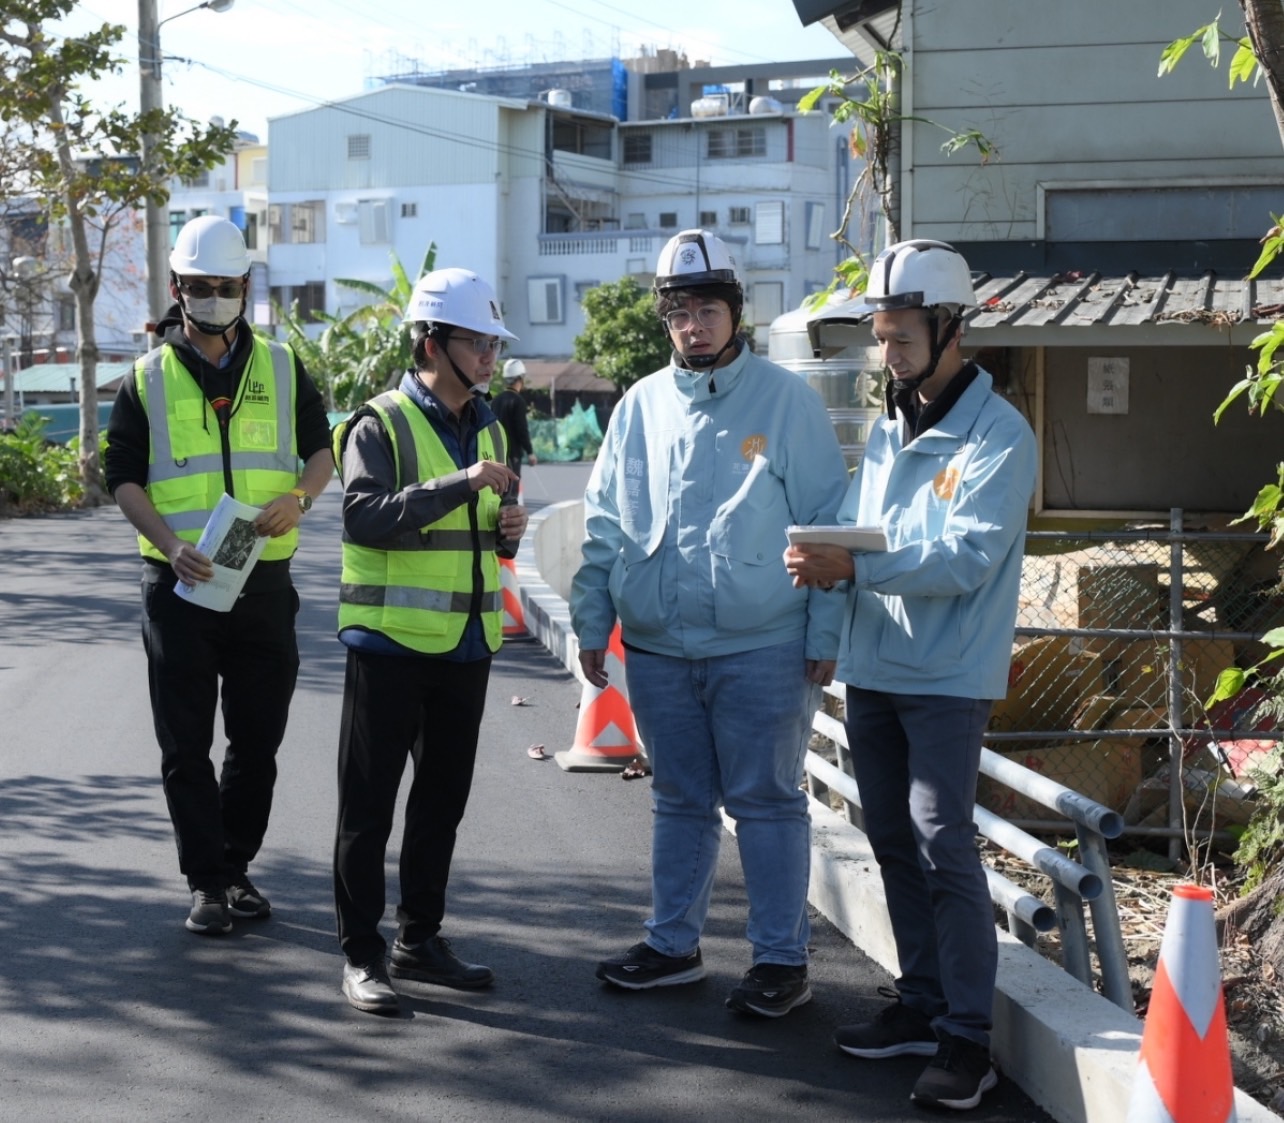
(345, 214)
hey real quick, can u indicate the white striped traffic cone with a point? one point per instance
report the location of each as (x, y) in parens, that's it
(605, 734)
(1184, 1069)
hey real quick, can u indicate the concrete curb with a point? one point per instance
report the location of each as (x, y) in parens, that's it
(1071, 1051)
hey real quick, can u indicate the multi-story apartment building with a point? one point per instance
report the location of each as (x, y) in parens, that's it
(549, 198)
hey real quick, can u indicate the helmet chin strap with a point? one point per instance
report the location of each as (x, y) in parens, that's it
(903, 385)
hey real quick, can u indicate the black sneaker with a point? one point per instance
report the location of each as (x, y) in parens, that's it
(245, 901)
(642, 967)
(771, 989)
(434, 962)
(210, 915)
(366, 987)
(897, 1031)
(958, 1076)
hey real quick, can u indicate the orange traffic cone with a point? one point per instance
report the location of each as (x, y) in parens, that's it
(514, 617)
(605, 735)
(1184, 1073)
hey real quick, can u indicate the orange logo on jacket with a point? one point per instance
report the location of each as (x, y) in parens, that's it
(946, 483)
(753, 446)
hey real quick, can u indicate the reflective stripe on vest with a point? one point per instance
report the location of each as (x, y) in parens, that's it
(419, 589)
(185, 473)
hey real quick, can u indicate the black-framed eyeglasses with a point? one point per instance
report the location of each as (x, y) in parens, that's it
(203, 290)
(709, 316)
(481, 344)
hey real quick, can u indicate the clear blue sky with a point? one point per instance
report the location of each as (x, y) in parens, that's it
(268, 57)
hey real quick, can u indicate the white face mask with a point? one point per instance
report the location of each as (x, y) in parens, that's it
(213, 314)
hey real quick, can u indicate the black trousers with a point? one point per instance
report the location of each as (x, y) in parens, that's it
(394, 707)
(219, 823)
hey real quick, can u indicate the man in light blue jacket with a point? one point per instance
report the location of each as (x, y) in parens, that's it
(948, 476)
(704, 465)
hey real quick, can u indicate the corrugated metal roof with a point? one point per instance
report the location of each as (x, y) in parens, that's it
(1087, 300)
(54, 377)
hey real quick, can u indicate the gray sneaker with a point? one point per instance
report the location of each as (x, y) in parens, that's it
(367, 988)
(210, 915)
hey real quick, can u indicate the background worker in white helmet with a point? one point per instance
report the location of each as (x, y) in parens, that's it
(212, 410)
(948, 475)
(510, 407)
(428, 506)
(703, 466)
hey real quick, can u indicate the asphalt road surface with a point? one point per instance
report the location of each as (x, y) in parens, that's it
(111, 1010)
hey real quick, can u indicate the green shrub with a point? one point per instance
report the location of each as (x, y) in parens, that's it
(36, 476)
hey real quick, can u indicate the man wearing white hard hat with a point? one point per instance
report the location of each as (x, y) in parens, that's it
(212, 410)
(429, 506)
(510, 407)
(948, 476)
(703, 466)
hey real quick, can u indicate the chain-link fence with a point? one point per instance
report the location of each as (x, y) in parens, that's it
(1120, 638)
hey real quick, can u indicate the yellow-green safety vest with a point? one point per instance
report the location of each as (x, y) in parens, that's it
(185, 469)
(419, 590)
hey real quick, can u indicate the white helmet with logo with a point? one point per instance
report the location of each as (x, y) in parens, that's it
(209, 246)
(513, 370)
(919, 273)
(458, 298)
(692, 258)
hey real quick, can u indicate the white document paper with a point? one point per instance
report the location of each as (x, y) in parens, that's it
(864, 538)
(230, 541)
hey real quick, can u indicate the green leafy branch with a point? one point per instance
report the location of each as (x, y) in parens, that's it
(870, 102)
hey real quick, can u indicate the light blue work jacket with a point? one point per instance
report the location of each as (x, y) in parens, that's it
(685, 513)
(935, 614)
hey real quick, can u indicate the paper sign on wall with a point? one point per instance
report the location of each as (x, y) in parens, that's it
(1107, 385)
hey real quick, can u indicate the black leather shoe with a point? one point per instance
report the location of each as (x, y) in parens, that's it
(367, 988)
(434, 962)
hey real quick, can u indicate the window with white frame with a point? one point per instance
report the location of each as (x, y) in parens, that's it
(544, 300)
(767, 301)
(708, 218)
(668, 220)
(307, 223)
(373, 221)
(736, 143)
(738, 216)
(769, 223)
(409, 210)
(815, 225)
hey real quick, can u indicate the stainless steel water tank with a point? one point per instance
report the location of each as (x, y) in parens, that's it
(850, 384)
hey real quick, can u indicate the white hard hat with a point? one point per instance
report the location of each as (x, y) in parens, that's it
(919, 274)
(514, 369)
(694, 257)
(209, 246)
(457, 297)
(916, 274)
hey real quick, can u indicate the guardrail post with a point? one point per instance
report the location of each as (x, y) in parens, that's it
(1105, 921)
(1074, 934)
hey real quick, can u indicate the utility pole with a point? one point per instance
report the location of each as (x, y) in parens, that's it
(149, 98)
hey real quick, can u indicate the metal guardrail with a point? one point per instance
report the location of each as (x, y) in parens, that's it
(1073, 883)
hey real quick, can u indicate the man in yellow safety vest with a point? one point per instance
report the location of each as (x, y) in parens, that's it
(216, 410)
(429, 506)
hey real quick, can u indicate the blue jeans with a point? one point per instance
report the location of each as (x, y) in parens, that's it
(916, 759)
(728, 731)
